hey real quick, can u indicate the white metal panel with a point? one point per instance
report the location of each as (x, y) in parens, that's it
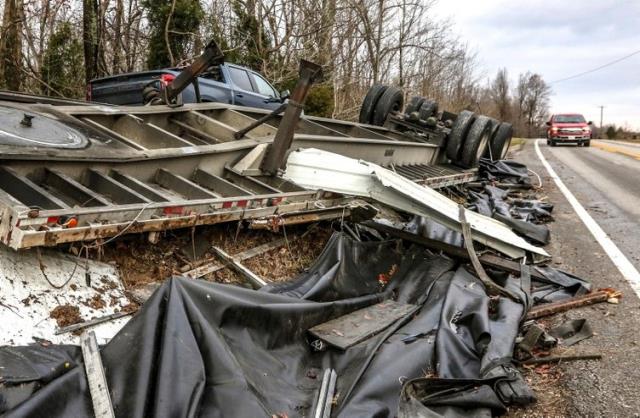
(317, 169)
(27, 298)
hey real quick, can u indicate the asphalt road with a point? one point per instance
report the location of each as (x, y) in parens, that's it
(605, 178)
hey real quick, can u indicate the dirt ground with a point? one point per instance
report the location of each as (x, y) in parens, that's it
(141, 263)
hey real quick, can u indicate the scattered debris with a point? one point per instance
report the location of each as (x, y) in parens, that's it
(565, 305)
(356, 268)
(66, 315)
(558, 359)
(78, 326)
(572, 331)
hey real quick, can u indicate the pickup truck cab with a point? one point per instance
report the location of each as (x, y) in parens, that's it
(569, 128)
(224, 83)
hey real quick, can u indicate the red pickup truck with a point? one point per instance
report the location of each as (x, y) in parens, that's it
(569, 128)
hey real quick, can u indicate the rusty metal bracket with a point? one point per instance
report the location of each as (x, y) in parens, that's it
(274, 160)
(212, 55)
(242, 132)
(491, 286)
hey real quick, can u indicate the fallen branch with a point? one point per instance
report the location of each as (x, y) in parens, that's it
(565, 305)
(92, 322)
(558, 359)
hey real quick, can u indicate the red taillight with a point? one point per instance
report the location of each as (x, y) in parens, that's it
(167, 78)
(88, 93)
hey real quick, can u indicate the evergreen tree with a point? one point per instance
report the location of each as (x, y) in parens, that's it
(249, 36)
(184, 18)
(63, 65)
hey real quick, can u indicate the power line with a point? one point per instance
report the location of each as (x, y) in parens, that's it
(597, 68)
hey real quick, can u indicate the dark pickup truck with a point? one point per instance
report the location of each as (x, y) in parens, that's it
(224, 83)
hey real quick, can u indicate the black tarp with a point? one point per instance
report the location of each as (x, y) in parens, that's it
(506, 171)
(523, 216)
(204, 349)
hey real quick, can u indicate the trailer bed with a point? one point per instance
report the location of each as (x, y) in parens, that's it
(83, 173)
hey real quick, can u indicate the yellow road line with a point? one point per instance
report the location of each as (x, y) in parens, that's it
(616, 150)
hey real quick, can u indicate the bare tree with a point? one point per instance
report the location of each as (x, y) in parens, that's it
(500, 96)
(532, 98)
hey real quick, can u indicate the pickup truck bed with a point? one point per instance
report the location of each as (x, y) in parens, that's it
(226, 83)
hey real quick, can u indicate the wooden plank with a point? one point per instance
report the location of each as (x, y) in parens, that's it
(182, 186)
(213, 265)
(255, 280)
(348, 330)
(96, 378)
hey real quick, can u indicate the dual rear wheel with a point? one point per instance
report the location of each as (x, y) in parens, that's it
(471, 137)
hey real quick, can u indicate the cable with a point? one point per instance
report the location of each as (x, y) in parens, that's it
(597, 68)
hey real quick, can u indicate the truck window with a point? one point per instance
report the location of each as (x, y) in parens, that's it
(213, 73)
(263, 87)
(240, 78)
(569, 119)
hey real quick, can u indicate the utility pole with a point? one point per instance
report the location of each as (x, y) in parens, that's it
(601, 112)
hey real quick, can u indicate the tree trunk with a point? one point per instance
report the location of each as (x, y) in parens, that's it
(90, 38)
(116, 65)
(11, 45)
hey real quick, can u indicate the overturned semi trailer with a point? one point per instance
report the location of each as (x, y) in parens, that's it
(84, 172)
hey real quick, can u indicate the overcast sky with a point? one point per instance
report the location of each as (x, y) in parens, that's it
(558, 39)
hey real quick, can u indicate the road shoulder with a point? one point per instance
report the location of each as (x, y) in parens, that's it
(591, 388)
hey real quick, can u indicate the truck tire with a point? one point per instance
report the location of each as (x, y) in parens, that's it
(369, 103)
(150, 94)
(500, 141)
(391, 101)
(476, 141)
(458, 132)
(495, 123)
(414, 104)
(587, 143)
(429, 108)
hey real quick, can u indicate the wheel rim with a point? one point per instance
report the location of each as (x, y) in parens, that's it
(505, 148)
(482, 147)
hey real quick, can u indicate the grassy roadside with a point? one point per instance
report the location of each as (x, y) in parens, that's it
(517, 141)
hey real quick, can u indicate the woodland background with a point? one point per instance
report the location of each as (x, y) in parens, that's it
(54, 47)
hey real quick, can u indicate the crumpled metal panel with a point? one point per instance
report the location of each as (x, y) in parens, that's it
(316, 169)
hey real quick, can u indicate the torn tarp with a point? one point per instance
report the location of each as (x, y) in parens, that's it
(317, 169)
(506, 171)
(522, 215)
(206, 349)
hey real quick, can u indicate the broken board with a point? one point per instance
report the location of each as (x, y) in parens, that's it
(348, 330)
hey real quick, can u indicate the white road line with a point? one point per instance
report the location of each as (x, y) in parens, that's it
(623, 264)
